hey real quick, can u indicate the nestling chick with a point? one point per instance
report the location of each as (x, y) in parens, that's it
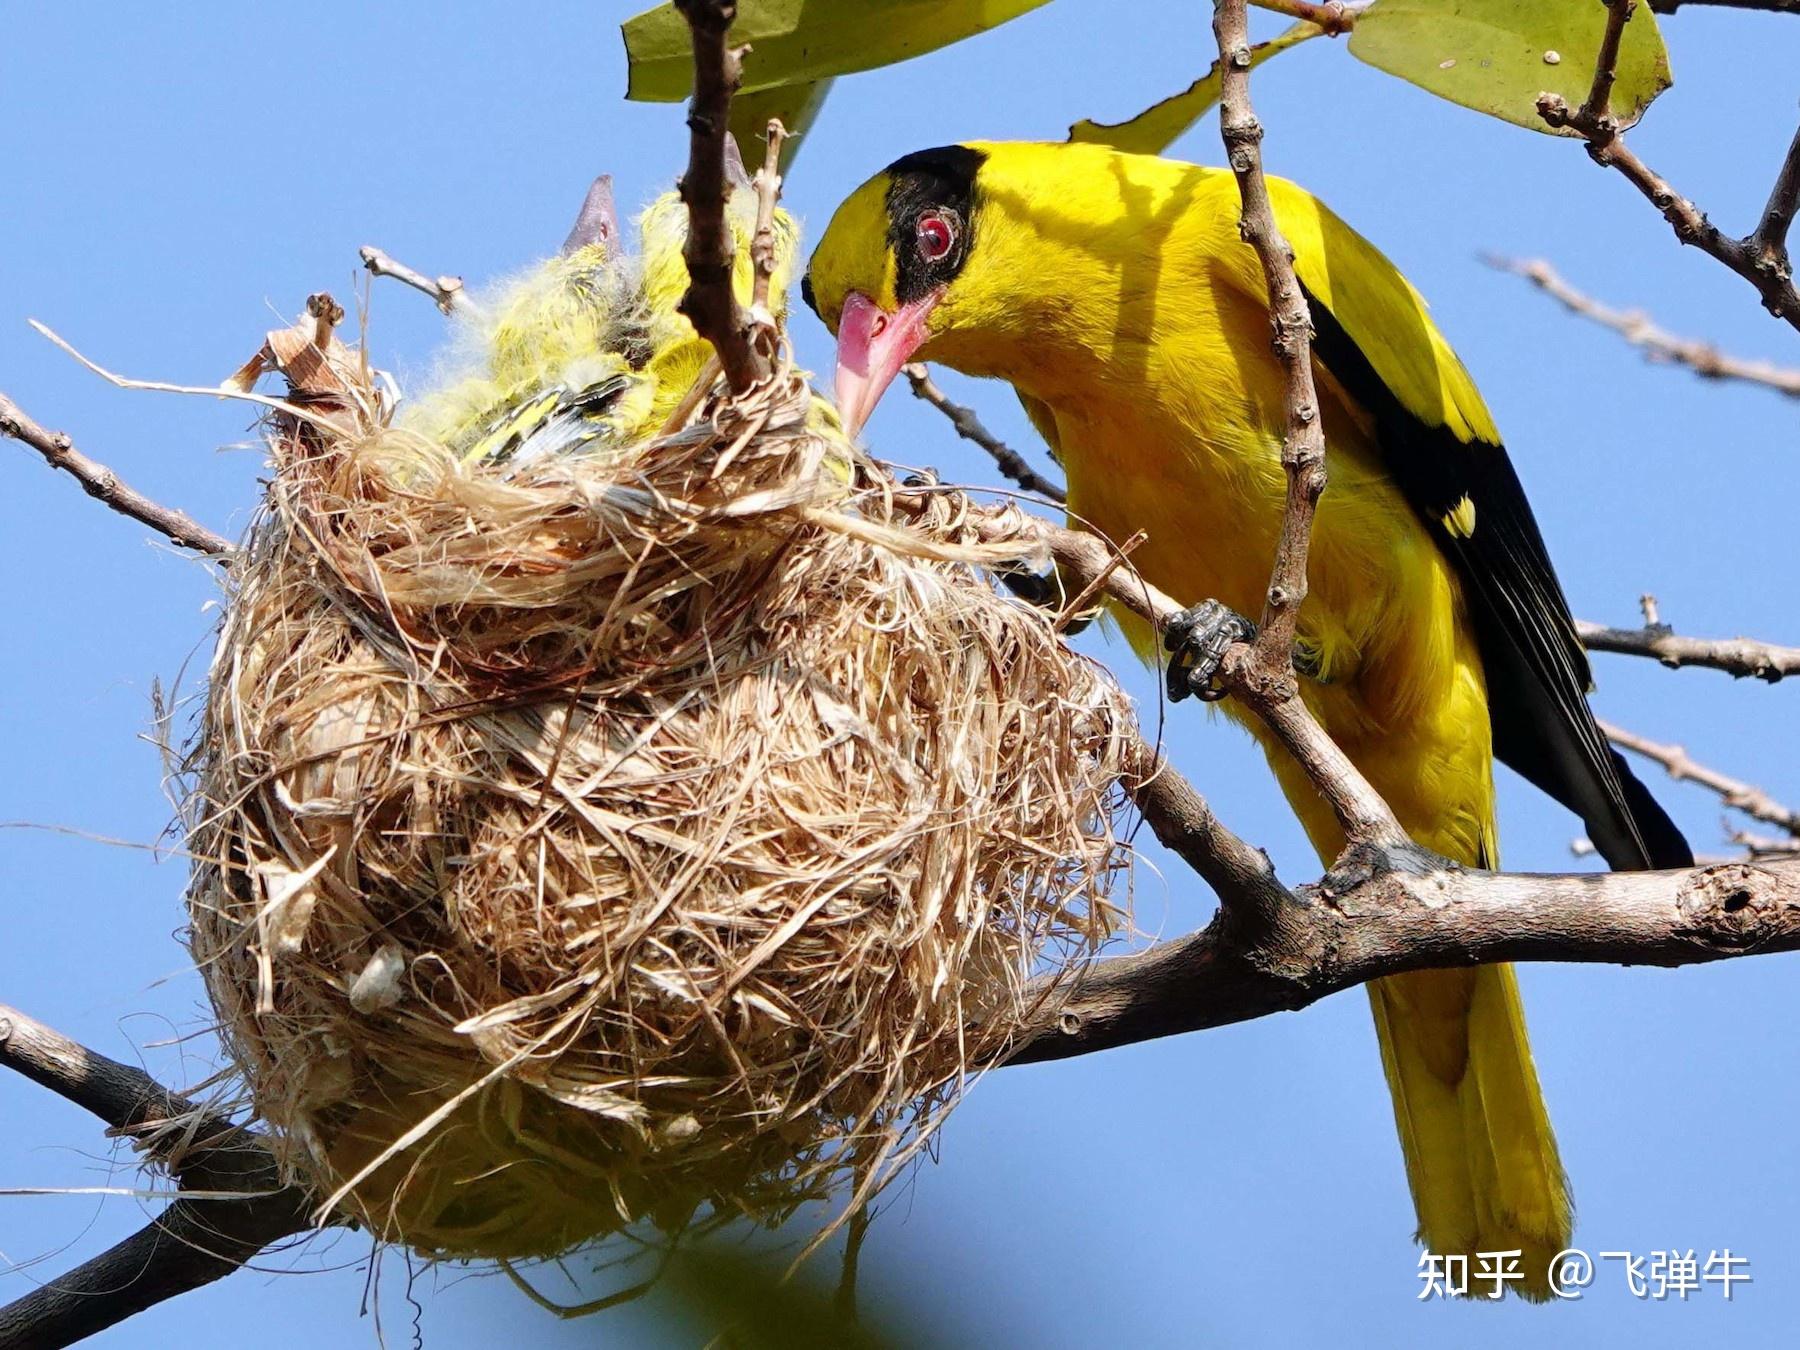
(588, 352)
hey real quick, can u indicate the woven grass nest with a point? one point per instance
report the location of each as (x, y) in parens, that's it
(657, 839)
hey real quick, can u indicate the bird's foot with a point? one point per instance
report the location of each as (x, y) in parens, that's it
(1197, 640)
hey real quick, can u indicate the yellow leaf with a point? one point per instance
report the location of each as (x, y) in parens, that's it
(795, 104)
(1156, 128)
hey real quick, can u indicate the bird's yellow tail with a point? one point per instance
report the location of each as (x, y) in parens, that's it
(1480, 1155)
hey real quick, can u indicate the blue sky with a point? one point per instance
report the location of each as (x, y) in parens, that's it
(177, 185)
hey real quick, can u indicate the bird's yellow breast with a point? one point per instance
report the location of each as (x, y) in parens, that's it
(1151, 356)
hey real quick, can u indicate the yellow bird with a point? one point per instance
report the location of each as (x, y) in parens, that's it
(1114, 293)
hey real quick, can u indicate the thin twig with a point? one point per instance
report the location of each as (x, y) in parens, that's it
(1769, 242)
(711, 303)
(1763, 845)
(1010, 462)
(1598, 104)
(103, 484)
(1751, 258)
(1735, 656)
(1658, 345)
(446, 292)
(1682, 767)
(768, 192)
(1332, 17)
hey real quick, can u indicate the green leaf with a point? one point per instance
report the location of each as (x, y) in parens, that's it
(796, 41)
(1156, 128)
(1497, 56)
(795, 104)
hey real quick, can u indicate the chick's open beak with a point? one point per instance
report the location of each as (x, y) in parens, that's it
(872, 347)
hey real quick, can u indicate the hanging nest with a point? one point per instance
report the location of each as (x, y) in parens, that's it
(664, 836)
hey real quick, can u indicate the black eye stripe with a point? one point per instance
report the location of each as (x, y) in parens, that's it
(941, 180)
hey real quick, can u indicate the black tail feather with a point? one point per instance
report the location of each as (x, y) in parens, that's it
(1662, 840)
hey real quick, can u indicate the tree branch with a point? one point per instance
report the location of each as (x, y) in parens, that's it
(1657, 345)
(1261, 673)
(1332, 17)
(103, 484)
(446, 292)
(190, 1244)
(1303, 445)
(1598, 103)
(1360, 925)
(126, 1098)
(768, 192)
(1751, 258)
(1769, 242)
(194, 1241)
(1010, 462)
(1745, 797)
(711, 303)
(1739, 656)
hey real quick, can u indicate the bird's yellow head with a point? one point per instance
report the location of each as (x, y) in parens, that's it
(885, 276)
(999, 258)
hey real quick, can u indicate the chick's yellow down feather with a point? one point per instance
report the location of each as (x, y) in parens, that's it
(588, 351)
(1114, 293)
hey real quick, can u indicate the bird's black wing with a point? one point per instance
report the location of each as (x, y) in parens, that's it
(1470, 500)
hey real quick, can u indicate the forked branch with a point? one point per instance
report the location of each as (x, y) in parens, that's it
(1760, 258)
(1375, 919)
(196, 1240)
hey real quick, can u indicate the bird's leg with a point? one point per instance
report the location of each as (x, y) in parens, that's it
(1196, 640)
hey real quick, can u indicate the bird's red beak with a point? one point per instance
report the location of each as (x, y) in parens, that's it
(872, 346)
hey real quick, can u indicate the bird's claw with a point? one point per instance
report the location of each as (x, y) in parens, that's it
(1197, 640)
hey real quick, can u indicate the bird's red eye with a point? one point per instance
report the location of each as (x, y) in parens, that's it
(937, 236)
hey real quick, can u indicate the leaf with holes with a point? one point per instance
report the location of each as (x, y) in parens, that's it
(1499, 56)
